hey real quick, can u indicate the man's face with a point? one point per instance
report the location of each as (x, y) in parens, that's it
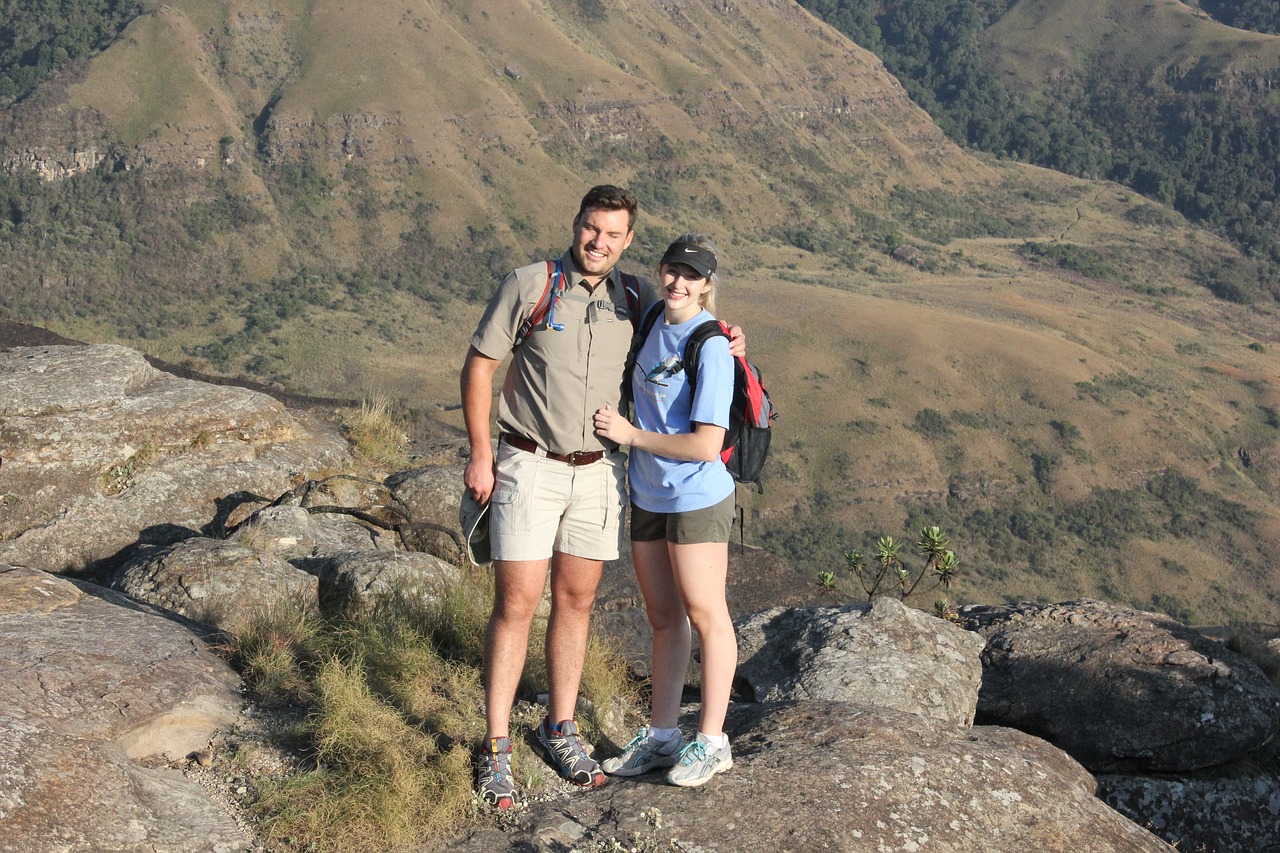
(599, 239)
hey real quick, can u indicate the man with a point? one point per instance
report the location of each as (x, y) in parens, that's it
(556, 490)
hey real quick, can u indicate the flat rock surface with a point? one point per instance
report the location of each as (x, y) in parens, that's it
(100, 451)
(91, 684)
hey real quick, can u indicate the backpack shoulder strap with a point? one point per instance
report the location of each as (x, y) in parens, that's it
(638, 337)
(631, 288)
(693, 348)
(555, 275)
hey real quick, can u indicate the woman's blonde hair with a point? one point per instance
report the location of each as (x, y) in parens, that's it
(708, 298)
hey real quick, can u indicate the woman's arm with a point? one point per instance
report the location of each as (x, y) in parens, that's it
(701, 445)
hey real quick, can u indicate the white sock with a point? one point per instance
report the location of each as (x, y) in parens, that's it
(719, 741)
(663, 734)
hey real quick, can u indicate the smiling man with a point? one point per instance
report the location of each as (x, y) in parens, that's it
(556, 490)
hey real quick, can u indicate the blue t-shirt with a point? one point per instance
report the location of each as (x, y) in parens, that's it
(665, 404)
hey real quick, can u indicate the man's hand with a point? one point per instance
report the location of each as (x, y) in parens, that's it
(478, 477)
(737, 342)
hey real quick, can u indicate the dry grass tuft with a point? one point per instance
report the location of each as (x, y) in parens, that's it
(378, 432)
(395, 706)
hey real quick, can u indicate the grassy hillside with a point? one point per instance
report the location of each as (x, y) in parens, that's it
(323, 195)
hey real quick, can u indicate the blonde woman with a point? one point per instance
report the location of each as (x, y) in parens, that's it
(682, 507)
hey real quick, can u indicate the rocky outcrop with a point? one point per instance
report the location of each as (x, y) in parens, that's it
(100, 451)
(91, 683)
(101, 693)
(1120, 689)
(884, 655)
(1230, 812)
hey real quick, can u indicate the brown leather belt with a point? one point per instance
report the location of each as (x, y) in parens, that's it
(578, 457)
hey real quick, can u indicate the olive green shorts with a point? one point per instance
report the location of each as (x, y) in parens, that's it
(711, 524)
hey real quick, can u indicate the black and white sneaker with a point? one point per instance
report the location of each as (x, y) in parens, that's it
(567, 755)
(493, 774)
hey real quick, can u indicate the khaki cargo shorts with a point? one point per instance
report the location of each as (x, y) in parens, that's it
(540, 505)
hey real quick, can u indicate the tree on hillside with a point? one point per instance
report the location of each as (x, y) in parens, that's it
(1262, 16)
(37, 37)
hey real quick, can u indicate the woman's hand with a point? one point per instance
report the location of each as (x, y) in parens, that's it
(613, 426)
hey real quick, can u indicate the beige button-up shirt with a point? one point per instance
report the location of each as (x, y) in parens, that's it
(557, 379)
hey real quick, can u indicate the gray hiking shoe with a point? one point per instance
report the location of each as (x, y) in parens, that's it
(493, 774)
(699, 761)
(567, 755)
(644, 753)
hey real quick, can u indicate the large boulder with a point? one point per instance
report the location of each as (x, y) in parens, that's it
(354, 582)
(294, 533)
(214, 581)
(822, 775)
(1119, 689)
(101, 451)
(429, 497)
(1235, 812)
(884, 654)
(91, 684)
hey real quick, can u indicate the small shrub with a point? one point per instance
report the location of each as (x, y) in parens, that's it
(931, 424)
(940, 565)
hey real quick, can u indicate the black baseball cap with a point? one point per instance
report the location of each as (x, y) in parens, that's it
(692, 255)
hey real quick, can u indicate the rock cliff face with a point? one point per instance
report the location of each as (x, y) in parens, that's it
(858, 737)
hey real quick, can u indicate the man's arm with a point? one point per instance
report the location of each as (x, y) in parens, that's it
(477, 407)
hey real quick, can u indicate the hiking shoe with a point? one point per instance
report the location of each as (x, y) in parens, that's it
(567, 755)
(644, 753)
(493, 774)
(699, 761)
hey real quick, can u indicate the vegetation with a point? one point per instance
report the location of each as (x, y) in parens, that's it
(940, 565)
(390, 710)
(378, 433)
(37, 37)
(1211, 152)
(1030, 547)
(1261, 16)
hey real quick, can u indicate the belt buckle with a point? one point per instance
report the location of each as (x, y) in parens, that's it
(576, 456)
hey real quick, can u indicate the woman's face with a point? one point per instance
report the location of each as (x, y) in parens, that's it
(682, 286)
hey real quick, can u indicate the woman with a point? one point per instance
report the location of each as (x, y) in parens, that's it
(682, 507)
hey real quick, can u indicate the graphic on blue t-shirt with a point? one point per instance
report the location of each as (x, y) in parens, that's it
(665, 369)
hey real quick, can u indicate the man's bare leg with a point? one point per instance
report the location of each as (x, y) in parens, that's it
(573, 592)
(518, 590)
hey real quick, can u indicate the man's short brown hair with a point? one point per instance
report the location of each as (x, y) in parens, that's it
(609, 197)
